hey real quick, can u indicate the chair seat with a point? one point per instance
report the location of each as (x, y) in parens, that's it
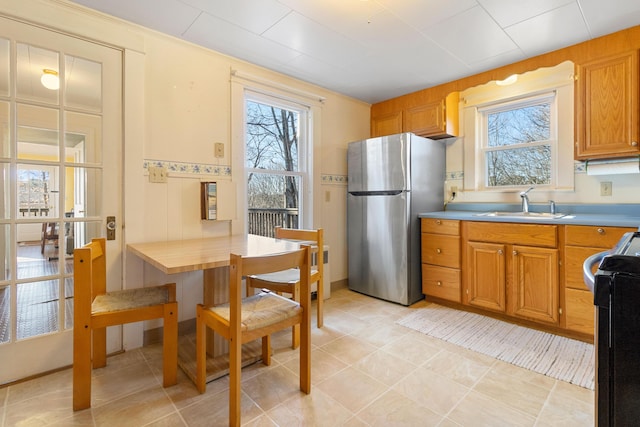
(291, 275)
(261, 310)
(129, 298)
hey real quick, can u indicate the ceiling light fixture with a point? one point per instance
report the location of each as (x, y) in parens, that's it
(50, 79)
(508, 81)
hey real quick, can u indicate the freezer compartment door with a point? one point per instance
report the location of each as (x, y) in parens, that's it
(379, 165)
(377, 237)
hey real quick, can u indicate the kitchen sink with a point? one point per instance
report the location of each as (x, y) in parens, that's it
(532, 215)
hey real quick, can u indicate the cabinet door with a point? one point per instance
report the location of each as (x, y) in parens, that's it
(534, 291)
(607, 107)
(485, 272)
(386, 124)
(580, 311)
(427, 119)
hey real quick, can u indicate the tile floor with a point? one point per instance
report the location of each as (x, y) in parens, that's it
(367, 371)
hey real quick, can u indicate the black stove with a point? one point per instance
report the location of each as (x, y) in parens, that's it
(617, 334)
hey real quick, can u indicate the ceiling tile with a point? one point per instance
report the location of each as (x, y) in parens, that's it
(304, 35)
(423, 14)
(174, 19)
(605, 17)
(230, 39)
(552, 30)
(471, 36)
(253, 15)
(509, 12)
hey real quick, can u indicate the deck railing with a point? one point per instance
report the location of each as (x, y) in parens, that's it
(263, 221)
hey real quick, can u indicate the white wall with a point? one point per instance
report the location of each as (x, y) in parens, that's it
(177, 105)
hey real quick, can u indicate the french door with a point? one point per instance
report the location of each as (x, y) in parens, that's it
(60, 176)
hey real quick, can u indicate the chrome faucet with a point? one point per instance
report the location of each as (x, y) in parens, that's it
(525, 199)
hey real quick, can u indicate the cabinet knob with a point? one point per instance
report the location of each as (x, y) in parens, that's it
(438, 250)
(500, 252)
(600, 230)
(634, 143)
(439, 283)
(515, 252)
(438, 222)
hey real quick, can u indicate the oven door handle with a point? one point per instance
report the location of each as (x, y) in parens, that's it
(588, 264)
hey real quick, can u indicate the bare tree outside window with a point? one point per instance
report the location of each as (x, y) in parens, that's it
(273, 167)
(518, 145)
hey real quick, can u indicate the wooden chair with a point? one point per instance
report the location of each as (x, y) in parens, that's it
(95, 309)
(258, 316)
(289, 281)
(49, 233)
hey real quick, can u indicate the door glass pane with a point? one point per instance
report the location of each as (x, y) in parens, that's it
(5, 254)
(38, 133)
(68, 299)
(38, 248)
(4, 67)
(85, 185)
(83, 140)
(37, 191)
(5, 314)
(5, 130)
(37, 309)
(83, 83)
(4, 190)
(36, 67)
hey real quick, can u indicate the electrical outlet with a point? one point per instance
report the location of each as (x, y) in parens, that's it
(606, 188)
(219, 149)
(157, 174)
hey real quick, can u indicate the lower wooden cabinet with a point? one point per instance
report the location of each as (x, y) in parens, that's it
(440, 253)
(485, 270)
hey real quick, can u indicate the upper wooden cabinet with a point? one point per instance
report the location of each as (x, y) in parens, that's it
(434, 119)
(607, 107)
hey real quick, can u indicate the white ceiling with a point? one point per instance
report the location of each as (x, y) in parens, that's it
(378, 49)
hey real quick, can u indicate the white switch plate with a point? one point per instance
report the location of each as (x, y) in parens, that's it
(606, 188)
(219, 149)
(157, 174)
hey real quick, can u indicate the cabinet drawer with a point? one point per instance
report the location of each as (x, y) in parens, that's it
(440, 226)
(511, 233)
(441, 250)
(594, 236)
(441, 282)
(579, 311)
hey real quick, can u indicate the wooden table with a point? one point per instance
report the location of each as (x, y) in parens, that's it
(211, 255)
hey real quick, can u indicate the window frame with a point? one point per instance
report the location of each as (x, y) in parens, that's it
(523, 101)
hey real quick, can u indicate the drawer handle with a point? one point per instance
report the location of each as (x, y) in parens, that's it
(634, 143)
(515, 252)
(438, 250)
(439, 283)
(438, 222)
(600, 230)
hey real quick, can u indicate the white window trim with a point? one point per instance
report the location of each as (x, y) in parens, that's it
(558, 79)
(243, 84)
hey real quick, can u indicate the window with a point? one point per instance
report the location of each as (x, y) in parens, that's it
(276, 163)
(35, 191)
(518, 142)
(517, 136)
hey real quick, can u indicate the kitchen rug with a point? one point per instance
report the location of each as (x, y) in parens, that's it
(558, 357)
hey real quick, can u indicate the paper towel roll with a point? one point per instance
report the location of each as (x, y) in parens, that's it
(613, 167)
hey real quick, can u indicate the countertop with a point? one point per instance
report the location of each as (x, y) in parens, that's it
(613, 215)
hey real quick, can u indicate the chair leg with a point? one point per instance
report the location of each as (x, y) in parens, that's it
(81, 367)
(170, 345)
(266, 350)
(99, 348)
(201, 350)
(235, 391)
(320, 305)
(295, 329)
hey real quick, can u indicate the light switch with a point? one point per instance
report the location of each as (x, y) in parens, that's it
(157, 174)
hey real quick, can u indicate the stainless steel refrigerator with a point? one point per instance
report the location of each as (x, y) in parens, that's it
(391, 180)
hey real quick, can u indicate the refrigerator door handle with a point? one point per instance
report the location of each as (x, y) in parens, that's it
(376, 193)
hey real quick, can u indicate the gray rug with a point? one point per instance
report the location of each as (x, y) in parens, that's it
(558, 357)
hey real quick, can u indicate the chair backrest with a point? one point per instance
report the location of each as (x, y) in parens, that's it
(315, 236)
(89, 273)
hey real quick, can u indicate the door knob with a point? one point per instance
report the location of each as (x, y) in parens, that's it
(111, 228)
